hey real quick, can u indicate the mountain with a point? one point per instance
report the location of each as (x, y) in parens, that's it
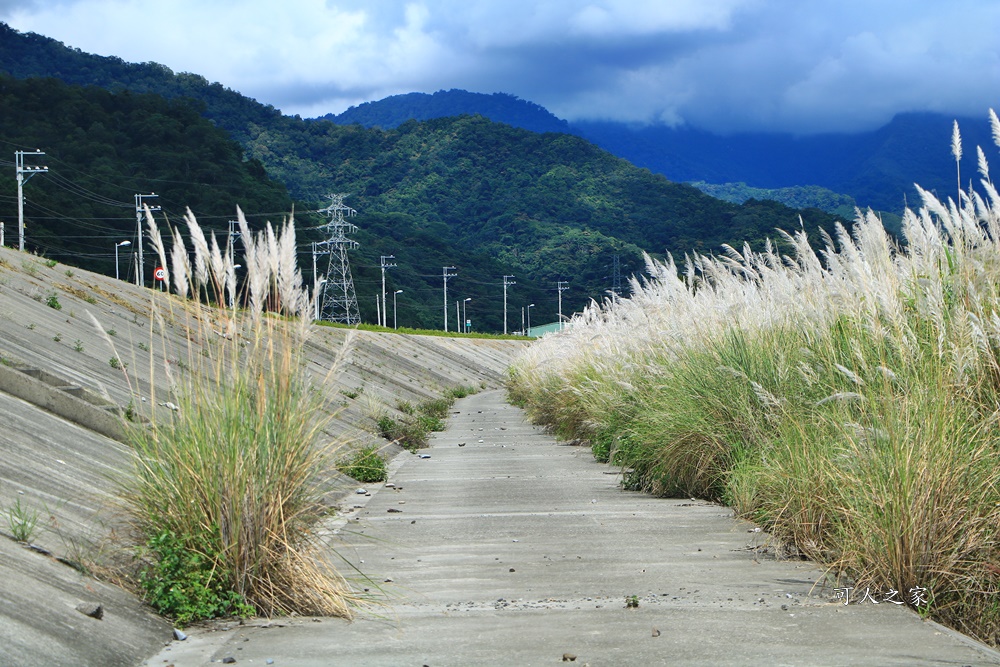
(485, 197)
(874, 169)
(393, 111)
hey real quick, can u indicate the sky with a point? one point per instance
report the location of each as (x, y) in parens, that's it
(800, 66)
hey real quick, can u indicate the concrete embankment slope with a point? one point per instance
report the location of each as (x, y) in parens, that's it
(507, 547)
(60, 398)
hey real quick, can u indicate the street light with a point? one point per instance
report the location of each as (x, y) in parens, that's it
(119, 245)
(530, 306)
(316, 296)
(399, 291)
(465, 320)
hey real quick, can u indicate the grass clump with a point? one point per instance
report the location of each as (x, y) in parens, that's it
(365, 465)
(412, 426)
(226, 495)
(22, 521)
(844, 398)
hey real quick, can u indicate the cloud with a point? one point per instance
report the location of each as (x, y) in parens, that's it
(725, 65)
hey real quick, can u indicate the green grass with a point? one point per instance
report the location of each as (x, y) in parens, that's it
(414, 424)
(227, 491)
(422, 332)
(22, 521)
(846, 401)
(365, 465)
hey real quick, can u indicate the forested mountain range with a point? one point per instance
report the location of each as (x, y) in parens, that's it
(485, 197)
(872, 169)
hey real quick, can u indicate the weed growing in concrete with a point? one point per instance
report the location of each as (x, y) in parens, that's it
(51, 263)
(22, 521)
(227, 489)
(412, 428)
(365, 465)
(78, 345)
(183, 585)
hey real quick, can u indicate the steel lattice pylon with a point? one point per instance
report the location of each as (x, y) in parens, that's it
(339, 303)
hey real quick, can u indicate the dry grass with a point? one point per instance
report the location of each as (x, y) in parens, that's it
(847, 398)
(227, 490)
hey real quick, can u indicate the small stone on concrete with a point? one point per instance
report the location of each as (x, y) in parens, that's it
(92, 609)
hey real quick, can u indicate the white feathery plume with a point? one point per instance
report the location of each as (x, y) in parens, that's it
(995, 127)
(217, 266)
(157, 241)
(984, 167)
(956, 142)
(201, 251)
(181, 264)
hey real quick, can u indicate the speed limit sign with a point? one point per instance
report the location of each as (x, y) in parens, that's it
(160, 273)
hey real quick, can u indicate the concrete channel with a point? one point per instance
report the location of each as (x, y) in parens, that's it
(504, 546)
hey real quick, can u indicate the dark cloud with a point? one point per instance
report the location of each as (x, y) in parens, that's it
(725, 65)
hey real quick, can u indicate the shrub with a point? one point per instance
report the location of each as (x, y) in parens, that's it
(227, 489)
(365, 465)
(182, 584)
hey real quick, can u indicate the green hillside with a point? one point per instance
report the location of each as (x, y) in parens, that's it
(484, 197)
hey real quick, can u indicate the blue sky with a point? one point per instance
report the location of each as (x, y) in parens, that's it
(802, 66)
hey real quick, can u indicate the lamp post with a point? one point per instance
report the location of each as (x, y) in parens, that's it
(399, 291)
(119, 245)
(465, 319)
(530, 306)
(316, 296)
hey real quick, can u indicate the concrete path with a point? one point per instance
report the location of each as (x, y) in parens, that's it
(508, 547)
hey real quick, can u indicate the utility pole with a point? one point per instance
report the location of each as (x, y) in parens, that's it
(385, 265)
(561, 287)
(21, 170)
(140, 271)
(340, 303)
(233, 235)
(446, 275)
(506, 284)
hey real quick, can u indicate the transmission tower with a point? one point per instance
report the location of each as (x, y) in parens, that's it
(339, 302)
(616, 277)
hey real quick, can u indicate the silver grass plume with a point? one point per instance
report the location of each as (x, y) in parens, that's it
(995, 127)
(201, 251)
(157, 241)
(181, 264)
